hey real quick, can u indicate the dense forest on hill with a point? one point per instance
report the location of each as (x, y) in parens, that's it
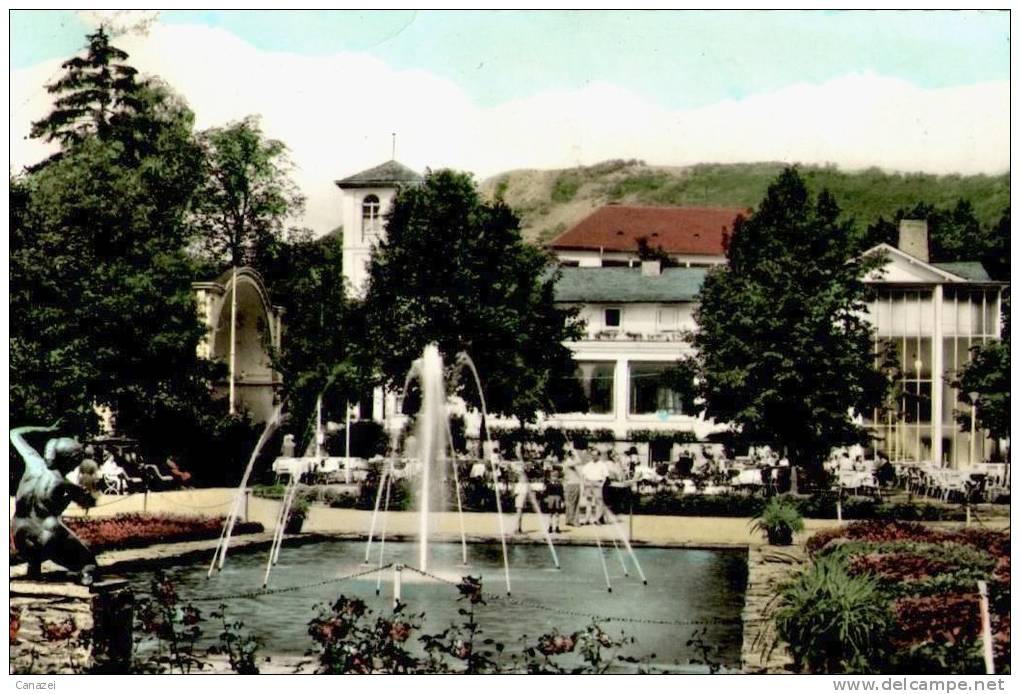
(551, 201)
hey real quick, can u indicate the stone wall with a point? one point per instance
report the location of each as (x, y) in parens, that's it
(767, 567)
(64, 628)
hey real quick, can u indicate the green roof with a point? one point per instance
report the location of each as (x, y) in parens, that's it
(385, 175)
(628, 285)
(969, 270)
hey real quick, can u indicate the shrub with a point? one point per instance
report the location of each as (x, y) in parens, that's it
(668, 503)
(566, 185)
(368, 439)
(834, 622)
(653, 435)
(936, 618)
(128, 530)
(779, 520)
(927, 580)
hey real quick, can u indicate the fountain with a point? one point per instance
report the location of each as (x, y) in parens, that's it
(431, 562)
(435, 457)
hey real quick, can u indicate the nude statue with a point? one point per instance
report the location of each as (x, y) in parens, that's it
(43, 494)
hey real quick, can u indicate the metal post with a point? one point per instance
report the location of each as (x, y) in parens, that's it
(917, 371)
(973, 433)
(986, 629)
(397, 570)
(347, 444)
(318, 426)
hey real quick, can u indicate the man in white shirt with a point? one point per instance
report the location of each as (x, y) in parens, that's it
(595, 474)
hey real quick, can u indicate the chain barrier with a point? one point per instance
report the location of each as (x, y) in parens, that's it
(291, 589)
(196, 508)
(577, 613)
(166, 500)
(120, 498)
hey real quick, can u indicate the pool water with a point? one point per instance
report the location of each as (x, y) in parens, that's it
(689, 590)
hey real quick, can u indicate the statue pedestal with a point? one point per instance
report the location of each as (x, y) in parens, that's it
(65, 628)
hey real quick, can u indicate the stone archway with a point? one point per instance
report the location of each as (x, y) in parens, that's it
(257, 328)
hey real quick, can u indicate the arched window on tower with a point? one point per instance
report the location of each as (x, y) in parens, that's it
(371, 223)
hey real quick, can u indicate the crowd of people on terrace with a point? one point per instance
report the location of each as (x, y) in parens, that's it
(583, 478)
(116, 468)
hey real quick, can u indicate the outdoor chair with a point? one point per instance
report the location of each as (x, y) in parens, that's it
(112, 485)
(954, 486)
(155, 479)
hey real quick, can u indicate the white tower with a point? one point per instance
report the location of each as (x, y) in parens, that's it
(366, 197)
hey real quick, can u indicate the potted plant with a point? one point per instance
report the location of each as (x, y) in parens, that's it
(296, 518)
(779, 520)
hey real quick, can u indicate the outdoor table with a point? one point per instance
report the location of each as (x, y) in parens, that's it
(748, 478)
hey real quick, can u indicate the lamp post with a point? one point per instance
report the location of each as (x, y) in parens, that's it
(917, 423)
(973, 395)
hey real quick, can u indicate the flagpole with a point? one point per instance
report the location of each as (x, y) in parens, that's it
(318, 426)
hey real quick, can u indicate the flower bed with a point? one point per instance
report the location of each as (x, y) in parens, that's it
(130, 530)
(925, 582)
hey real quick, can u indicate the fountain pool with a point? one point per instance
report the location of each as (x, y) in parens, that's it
(686, 585)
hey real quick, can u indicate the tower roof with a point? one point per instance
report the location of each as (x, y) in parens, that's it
(385, 175)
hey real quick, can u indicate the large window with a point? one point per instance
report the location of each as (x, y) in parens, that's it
(596, 379)
(652, 388)
(370, 220)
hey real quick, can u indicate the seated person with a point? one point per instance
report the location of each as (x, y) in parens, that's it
(176, 472)
(477, 470)
(88, 472)
(114, 475)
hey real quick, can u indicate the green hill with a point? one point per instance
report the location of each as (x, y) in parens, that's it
(551, 201)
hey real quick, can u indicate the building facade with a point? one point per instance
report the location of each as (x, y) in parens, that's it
(636, 320)
(637, 316)
(931, 315)
(365, 200)
(242, 325)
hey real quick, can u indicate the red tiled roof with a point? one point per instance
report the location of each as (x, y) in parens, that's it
(680, 230)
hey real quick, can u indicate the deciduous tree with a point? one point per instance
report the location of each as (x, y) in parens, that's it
(454, 270)
(101, 304)
(784, 348)
(247, 195)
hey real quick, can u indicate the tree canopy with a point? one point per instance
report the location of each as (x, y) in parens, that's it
(453, 270)
(101, 304)
(784, 350)
(97, 94)
(987, 374)
(246, 196)
(319, 354)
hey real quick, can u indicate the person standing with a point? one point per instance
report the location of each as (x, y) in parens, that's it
(595, 475)
(521, 491)
(572, 483)
(554, 500)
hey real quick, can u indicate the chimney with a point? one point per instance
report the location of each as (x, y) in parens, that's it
(651, 268)
(914, 238)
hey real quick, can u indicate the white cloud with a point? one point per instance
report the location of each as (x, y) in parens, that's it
(336, 114)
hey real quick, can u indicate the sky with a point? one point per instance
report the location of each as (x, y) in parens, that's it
(488, 91)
